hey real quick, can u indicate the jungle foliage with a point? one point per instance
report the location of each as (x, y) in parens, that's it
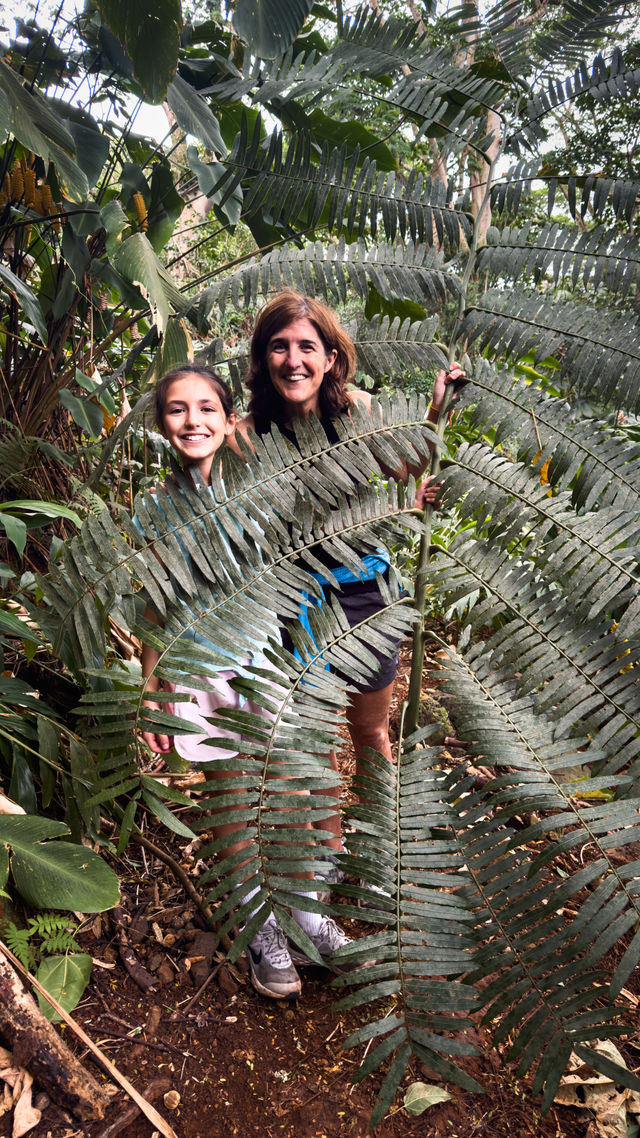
(505, 897)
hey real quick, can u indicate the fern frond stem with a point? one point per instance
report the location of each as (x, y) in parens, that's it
(420, 594)
(419, 639)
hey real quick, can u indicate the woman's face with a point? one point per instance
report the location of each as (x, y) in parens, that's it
(297, 363)
(194, 421)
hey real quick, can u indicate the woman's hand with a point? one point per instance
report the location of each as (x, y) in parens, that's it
(455, 375)
(427, 493)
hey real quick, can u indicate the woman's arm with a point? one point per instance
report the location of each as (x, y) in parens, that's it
(428, 490)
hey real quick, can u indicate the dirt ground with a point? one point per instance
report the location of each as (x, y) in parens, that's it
(241, 1064)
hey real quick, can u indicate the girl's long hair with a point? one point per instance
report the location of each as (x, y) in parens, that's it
(265, 402)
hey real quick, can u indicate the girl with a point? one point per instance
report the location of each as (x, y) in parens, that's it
(194, 412)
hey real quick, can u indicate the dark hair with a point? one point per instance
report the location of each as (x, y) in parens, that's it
(218, 384)
(287, 306)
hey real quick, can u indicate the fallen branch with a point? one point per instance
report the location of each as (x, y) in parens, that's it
(152, 1091)
(36, 1045)
(149, 1111)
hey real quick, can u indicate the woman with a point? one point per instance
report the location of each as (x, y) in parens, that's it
(301, 361)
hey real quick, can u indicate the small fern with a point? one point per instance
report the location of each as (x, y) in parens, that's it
(18, 941)
(53, 933)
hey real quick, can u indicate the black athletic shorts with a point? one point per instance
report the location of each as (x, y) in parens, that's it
(360, 600)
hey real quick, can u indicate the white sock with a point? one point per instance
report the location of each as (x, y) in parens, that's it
(247, 897)
(309, 922)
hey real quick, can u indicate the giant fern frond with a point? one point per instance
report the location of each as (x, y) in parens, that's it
(590, 259)
(599, 467)
(403, 841)
(596, 192)
(595, 352)
(606, 81)
(414, 272)
(548, 932)
(338, 191)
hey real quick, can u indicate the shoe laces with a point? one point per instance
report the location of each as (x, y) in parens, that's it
(332, 934)
(273, 943)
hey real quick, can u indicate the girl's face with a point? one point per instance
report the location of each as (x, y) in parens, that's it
(297, 363)
(194, 421)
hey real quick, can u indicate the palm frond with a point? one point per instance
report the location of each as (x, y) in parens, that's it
(414, 272)
(562, 254)
(581, 673)
(302, 702)
(338, 191)
(599, 466)
(605, 81)
(577, 30)
(586, 191)
(427, 936)
(599, 349)
(549, 931)
(385, 346)
(594, 556)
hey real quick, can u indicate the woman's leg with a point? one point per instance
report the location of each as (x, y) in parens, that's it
(368, 719)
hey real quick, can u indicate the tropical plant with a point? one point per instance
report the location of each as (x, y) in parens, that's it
(520, 884)
(64, 971)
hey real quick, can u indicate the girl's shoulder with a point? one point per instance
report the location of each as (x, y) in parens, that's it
(361, 397)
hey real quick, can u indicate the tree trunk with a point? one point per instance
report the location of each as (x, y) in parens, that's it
(35, 1044)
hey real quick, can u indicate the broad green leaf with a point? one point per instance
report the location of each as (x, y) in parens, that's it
(65, 978)
(33, 508)
(85, 412)
(355, 134)
(209, 175)
(13, 626)
(114, 220)
(176, 347)
(4, 115)
(150, 34)
(40, 130)
(91, 145)
(138, 263)
(26, 298)
(194, 116)
(165, 207)
(55, 874)
(420, 1096)
(15, 530)
(269, 26)
(4, 866)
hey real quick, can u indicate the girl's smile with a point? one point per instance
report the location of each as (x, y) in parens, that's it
(297, 362)
(194, 421)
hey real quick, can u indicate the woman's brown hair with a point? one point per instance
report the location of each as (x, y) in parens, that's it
(265, 403)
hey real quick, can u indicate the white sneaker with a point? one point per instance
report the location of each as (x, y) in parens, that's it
(272, 970)
(328, 938)
(378, 894)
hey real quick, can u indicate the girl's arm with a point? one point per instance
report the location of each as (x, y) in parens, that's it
(150, 656)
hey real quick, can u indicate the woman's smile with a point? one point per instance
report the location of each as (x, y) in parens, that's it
(297, 361)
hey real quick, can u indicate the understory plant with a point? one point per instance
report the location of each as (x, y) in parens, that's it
(508, 897)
